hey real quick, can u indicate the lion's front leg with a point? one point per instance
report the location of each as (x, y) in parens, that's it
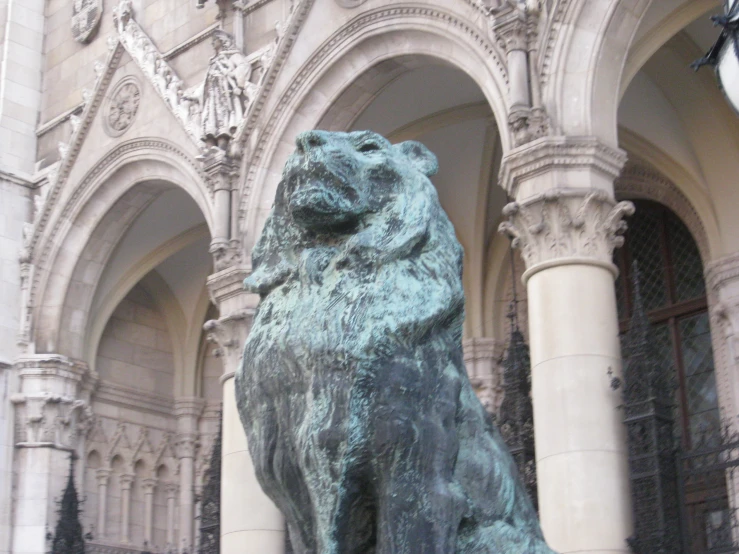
(416, 446)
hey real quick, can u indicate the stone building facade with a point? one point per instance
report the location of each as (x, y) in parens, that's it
(141, 143)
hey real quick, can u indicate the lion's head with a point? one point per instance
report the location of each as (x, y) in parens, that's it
(354, 193)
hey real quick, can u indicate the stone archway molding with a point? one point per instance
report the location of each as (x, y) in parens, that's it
(653, 175)
(584, 60)
(365, 41)
(55, 257)
(168, 305)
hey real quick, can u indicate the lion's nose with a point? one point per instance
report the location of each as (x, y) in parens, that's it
(309, 140)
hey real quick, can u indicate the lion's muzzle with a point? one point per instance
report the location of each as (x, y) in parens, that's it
(321, 199)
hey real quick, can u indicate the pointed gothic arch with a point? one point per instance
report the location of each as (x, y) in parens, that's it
(80, 235)
(360, 45)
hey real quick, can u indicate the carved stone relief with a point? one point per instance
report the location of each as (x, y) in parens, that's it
(86, 16)
(53, 407)
(156, 69)
(122, 107)
(214, 111)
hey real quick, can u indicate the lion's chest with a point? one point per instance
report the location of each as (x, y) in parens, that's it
(304, 329)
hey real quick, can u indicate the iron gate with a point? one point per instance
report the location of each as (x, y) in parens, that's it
(707, 475)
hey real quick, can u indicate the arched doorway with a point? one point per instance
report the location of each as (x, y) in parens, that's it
(673, 294)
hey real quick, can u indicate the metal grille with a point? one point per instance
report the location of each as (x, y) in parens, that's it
(679, 344)
(706, 473)
(648, 416)
(700, 380)
(516, 416)
(645, 248)
(687, 268)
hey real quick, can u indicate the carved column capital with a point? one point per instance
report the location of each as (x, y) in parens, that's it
(126, 480)
(102, 475)
(510, 27)
(185, 445)
(226, 253)
(170, 490)
(148, 485)
(188, 406)
(722, 272)
(221, 169)
(53, 405)
(565, 226)
(226, 289)
(722, 283)
(228, 332)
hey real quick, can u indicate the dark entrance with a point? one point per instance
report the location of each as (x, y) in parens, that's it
(673, 294)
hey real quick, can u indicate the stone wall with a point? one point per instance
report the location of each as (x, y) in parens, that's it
(21, 42)
(135, 350)
(14, 212)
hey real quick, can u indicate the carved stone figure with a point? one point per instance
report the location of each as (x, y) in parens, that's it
(361, 420)
(227, 91)
(86, 16)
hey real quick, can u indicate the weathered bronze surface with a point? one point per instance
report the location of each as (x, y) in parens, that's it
(360, 418)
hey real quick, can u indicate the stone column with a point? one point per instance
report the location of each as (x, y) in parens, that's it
(221, 170)
(238, 25)
(250, 522)
(510, 27)
(22, 52)
(722, 288)
(187, 411)
(170, 490)
(52, 414)
(567, 224)
(102, 478)
(126, 482)
(148, 485)
(515, 29)
(479, 358)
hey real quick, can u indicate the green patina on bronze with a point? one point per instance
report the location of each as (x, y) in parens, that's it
(361, 420)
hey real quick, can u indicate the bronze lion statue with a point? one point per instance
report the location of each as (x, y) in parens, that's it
(361, 421)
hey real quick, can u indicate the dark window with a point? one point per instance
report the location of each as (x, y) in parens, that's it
(674, 295)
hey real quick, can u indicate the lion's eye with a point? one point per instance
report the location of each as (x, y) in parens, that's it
(369, 147)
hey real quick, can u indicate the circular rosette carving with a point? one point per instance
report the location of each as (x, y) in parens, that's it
(122, 107)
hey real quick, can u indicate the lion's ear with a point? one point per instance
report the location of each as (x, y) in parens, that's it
(421, 157)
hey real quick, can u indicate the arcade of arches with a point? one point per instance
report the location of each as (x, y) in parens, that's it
(124, 237)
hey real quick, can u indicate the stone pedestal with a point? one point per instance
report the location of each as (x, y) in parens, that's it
(567, 236)
(250, 522)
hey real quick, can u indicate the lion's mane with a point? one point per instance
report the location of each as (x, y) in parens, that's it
(360, 419)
